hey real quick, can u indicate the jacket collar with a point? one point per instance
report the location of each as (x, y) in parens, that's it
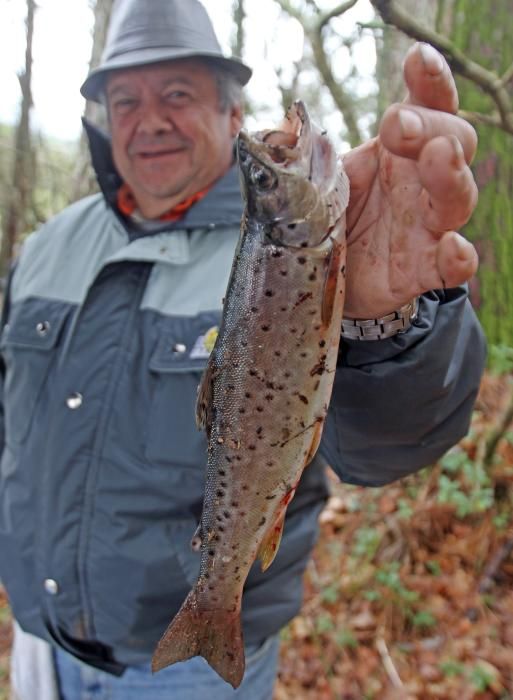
(221, 206)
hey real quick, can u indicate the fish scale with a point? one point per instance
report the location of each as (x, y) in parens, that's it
(265, 392)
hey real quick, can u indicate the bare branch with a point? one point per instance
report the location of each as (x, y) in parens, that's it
(336, 12)
(487, 80)
(507, 75)
(476, 118)
(314, 31)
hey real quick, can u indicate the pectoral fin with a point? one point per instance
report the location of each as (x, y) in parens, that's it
(205, 398)
(271, 542)
(331, 285)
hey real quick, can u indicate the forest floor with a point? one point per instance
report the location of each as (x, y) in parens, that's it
(409, 593)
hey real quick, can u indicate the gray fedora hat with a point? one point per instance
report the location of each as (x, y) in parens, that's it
(142, 32)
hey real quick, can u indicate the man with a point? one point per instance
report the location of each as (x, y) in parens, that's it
(110, 314)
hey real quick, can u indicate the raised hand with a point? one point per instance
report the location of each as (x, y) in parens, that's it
(411, 189)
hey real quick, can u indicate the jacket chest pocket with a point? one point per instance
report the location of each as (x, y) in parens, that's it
(27, 346)
(176, 366)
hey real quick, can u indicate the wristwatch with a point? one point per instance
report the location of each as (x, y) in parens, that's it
(385, 327)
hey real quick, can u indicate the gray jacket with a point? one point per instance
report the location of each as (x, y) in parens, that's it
(102, 466)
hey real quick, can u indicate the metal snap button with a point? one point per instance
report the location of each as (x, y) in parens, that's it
(51, 586)
(42, 328)
(179, 348)
(74, 400)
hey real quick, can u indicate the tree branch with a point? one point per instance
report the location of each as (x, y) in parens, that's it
(314, 31)
(487, 80)
(336, 12)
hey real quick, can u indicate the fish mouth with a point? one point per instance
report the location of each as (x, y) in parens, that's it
(287, 145)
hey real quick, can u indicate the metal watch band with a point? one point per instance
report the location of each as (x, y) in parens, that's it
(378, 328)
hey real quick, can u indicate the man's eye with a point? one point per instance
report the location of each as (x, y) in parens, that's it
(125, 104)
(177, 96)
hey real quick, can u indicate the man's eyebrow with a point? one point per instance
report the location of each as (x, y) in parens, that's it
(125, 86)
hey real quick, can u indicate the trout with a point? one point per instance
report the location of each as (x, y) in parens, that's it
(265, 392)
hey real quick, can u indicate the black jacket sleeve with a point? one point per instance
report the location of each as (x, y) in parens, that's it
(398, 404)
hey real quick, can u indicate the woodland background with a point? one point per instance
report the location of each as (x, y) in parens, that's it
(409, 594)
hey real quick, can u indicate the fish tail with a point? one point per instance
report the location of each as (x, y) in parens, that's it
(216, 635)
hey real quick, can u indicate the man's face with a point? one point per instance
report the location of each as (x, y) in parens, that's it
(169, 137)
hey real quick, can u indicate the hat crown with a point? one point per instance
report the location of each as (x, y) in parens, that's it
(159, 24)
(142, 32)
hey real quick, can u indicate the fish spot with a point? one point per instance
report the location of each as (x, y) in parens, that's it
(265, 327)
(284, 273)
(245, 487)
(253, 373)
(316, 385)
(343, 270)
(269, 293)
(322, 343)
(220, 528)
(235, 504)
(302, 398)
(222, 472)
(276, 253)
(254, 309)
(223, 484)
(219, 493)
(291, 226)
(304, 354)
(312, 276)
(270, 497)
(286, 374)
(251, 447)
(301, 260)
(277, 353)
(247, 394)
(269, 397)
(219, 519)
(270, 463)
(242, 410)
(259, 430)
(227, 514)
(211, 553)
(259, 409)
(262, 522)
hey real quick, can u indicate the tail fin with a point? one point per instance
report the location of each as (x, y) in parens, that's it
(216, 635)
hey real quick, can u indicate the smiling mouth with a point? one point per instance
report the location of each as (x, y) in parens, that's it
(149, 155)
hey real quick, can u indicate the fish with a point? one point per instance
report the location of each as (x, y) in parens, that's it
(265, 392)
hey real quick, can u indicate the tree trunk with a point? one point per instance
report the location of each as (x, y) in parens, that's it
(22, 173)
(84, 180)
(484, 31)
(239, 15)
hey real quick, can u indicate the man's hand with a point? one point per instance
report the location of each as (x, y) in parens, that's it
(411, 188)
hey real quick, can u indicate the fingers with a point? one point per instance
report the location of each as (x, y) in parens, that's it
(429, 79)
(456, 259)
(405, 130)
(450, 192)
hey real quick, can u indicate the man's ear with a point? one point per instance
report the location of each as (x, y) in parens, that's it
(236, 117)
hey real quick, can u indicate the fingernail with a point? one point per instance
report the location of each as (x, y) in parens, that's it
(411, 124)
(458, 157)
(433, 62)
(464, 249)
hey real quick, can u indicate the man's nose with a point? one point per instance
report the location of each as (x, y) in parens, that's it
(154, 120)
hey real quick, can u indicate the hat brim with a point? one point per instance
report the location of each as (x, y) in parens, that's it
(93, 86)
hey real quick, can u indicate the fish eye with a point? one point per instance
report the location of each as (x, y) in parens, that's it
(262, 177)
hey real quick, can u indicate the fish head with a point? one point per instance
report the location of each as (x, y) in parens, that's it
(291, 180)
